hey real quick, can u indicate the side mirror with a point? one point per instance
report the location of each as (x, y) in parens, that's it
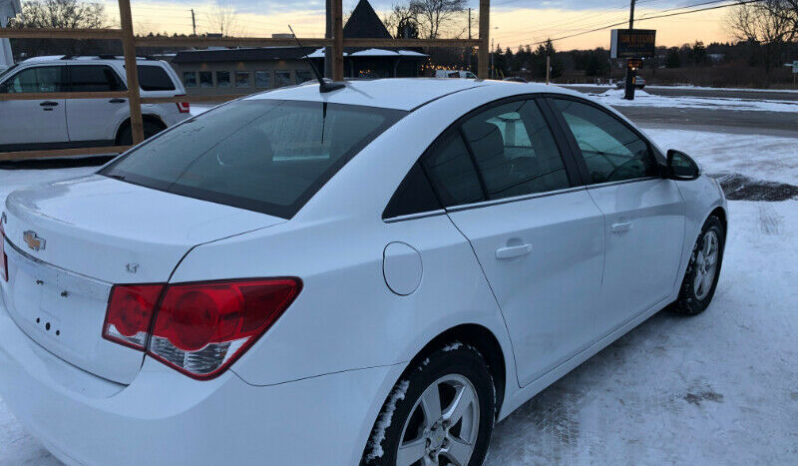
(681, 166)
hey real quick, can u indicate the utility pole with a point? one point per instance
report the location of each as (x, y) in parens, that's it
(629, 94)
(469, 38)
(193, 22)
(328, 35)
(492, 59)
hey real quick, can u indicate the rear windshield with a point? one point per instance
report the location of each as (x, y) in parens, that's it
(265, 155)
(154, 78)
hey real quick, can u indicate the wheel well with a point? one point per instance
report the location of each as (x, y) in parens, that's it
(150, 118)
(480, 338)
(721, 214)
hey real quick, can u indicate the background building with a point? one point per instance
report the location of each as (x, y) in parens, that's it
(223, 71)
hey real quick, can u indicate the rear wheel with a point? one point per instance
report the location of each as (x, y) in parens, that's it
(703, 271)
(441, 413)
(125, 135)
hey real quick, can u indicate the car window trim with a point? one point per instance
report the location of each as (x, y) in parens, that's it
(577, 151)
(508, 200)
(455, 130)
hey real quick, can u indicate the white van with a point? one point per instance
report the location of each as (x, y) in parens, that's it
(62, 123)
(457, 74)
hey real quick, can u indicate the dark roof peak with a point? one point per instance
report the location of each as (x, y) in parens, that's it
(365, 24)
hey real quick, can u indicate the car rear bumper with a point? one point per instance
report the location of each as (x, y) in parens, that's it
(166, 418)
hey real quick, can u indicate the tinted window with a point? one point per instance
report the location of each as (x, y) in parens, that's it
(413, 196)
(90, 78)
(452, 172)
(264, 155)
(42, 79)
(610, 149)
(263, 79)
(515, 151)
(190, 79)
(223, 78)
(155, 78)
(242, 79)
(206, 79)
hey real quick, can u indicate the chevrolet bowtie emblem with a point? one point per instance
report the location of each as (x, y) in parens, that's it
(33, 241)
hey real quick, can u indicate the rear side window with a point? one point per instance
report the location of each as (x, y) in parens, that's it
(414, 195)
(515, 151)
(452, 172)
(265, 155)
(93, 78)
(610, 149)
(155, 78)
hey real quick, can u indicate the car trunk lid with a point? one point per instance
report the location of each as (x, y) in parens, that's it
(69, 242)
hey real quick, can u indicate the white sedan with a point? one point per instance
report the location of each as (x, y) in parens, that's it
(371, 275)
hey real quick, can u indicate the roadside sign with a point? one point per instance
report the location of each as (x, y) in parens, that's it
(633, 43)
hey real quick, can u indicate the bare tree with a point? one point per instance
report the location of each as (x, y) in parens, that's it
(68, 14)
(436, 16)
(402, 21)
(223, 18)
(770, 24)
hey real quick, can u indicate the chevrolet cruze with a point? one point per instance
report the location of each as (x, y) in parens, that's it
(373, 274)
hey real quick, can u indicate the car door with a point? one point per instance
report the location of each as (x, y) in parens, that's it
(31, 122)
(94, 120)
(538, 237)
(644, 212)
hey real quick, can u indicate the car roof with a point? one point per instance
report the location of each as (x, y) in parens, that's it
(70, 59)
(395, 93)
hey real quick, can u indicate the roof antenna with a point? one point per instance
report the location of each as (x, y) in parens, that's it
(325, 85)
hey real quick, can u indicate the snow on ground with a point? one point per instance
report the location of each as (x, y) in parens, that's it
(720, 388)
(615, 98)
(686, 87)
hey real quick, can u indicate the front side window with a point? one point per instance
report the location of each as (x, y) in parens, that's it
(92, 78)
(223, 79)
(35, 80)
(264, 155)
(610, 149)
(515, 150)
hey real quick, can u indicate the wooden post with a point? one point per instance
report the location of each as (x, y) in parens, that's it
(548, 69)
(338, 41)
(484, 37)
(129, 47)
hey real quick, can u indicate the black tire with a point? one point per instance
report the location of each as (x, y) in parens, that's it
(689, 301)
(453, 360)
(125, 135)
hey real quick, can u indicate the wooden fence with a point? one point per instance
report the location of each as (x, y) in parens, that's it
(130, 42)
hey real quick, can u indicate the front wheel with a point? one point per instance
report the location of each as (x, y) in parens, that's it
(703, 271)
(440, 413)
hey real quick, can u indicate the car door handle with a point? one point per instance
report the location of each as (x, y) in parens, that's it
(621, 227)
(49, 104)
(117, 101)
(510, 252)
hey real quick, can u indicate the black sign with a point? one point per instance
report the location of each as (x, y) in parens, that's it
(633, 43)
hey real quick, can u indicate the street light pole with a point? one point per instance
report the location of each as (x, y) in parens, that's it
(629, 94)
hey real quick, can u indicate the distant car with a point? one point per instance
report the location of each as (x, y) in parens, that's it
(456, 74)
(59, 123)
(638, 81)
(369, 276)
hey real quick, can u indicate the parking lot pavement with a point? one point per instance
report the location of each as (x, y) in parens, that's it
(720, 388)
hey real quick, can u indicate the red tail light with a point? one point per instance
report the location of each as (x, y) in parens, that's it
(183, 107)
(200, 329)
(130, 312)
(3, 257)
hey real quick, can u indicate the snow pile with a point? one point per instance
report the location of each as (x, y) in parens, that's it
(615, 98)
